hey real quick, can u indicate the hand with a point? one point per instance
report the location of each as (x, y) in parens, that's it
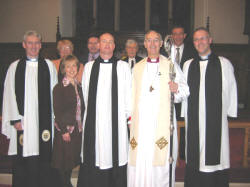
(66, 137)
(18, 126)
(173, 87)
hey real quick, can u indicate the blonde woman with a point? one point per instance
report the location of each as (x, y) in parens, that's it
(65, 48)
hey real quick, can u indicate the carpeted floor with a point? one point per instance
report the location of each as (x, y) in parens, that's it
(237, 173)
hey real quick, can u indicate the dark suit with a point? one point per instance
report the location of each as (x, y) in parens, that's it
(137, 59)
(188, 53)
(84, 58)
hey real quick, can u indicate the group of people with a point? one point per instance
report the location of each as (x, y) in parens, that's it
(113, 117)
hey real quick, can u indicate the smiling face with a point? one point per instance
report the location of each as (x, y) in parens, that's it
(202, 41)
(178, 36)
(32, 46)
(93, 45)
(65, 50)
(70, 69)
(153, 44)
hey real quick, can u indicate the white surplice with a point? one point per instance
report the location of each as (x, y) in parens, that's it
(229, 108)
(144, 174)
(103, 140)
(30, 120)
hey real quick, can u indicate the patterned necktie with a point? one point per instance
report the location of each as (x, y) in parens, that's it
(92, 57)
(177, 57)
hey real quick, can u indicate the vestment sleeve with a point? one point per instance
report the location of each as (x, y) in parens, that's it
(183, 89)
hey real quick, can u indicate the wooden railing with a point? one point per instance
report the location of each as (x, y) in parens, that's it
(245, 125)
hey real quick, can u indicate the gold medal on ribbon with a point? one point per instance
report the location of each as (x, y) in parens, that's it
(46, 135)
(21, 139)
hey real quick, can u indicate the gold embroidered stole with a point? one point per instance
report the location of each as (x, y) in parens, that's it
(162, 133)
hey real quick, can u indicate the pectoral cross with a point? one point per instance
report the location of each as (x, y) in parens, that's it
(151, 88)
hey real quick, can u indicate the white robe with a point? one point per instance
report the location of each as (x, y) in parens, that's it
(229, 108)
(30, 120)
(144, 174)
(103, 141)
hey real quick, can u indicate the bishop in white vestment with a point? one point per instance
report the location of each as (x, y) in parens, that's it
(150, 126)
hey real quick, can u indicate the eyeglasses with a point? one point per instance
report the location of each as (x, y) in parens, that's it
(200, 39)
(65, 48)
(33, 43)
(152, 40)
(107, 41)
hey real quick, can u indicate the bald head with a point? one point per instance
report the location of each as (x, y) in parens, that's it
(107, 45)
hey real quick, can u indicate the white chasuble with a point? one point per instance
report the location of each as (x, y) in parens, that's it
(145, 172)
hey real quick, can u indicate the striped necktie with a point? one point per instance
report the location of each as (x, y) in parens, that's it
(177, 57)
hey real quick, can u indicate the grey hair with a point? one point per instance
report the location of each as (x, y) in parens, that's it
(32, 33)
(131, 41)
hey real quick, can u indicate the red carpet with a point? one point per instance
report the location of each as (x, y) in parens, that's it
(237, 172)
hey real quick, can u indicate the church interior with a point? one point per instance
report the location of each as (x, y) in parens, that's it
(227, 20)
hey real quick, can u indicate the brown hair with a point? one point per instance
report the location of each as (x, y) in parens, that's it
(67, 59)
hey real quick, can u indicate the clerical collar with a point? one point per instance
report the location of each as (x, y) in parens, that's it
(32, 59)
(106, 61)
(153, 60)
(204, 58)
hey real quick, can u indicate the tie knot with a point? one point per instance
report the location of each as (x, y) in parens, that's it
(177, 48)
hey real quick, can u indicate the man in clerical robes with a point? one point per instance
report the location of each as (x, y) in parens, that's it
(213, 97)
(131, 48)
(106, 85)
(27, 118)
(150, 126)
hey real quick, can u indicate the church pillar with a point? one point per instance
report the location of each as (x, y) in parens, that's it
(117, 16)
(95, 12)
(170, 10)
(147, 14)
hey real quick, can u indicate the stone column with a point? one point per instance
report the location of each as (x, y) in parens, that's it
(117, 16)
(95, 12)
(147, 14)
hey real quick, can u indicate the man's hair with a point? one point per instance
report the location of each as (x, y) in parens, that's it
(202, 29)
(159, 35)
(92, 35)
(32, 33)
(177, 26)
(131, 41)
(65, 42)
(67, 59)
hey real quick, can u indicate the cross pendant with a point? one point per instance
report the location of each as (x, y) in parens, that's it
(151, 88)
